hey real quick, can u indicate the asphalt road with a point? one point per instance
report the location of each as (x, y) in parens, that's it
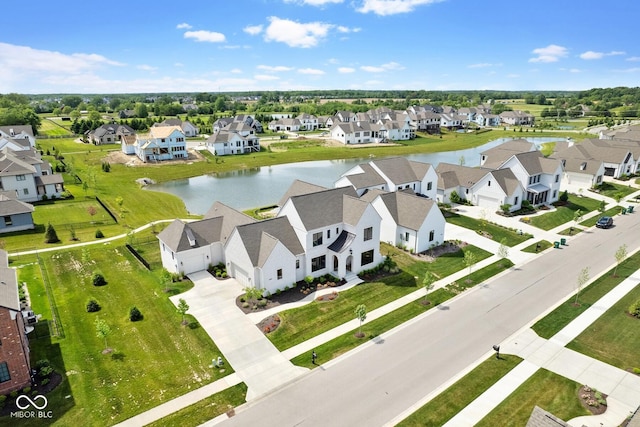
(374, 385)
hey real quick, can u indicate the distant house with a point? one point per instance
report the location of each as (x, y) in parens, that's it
(308, 121)
(111, 133)
(160, 144)
(392, 174)
(285, 124)
(27, 176)
(517, 118)
(127, 114)
(487, 119)
(15, 366)
(188, 128)
(14, 214)
(235, 138)
(358, 132)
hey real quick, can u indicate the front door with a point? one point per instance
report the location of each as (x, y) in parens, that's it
(349, 259)
(335, 263)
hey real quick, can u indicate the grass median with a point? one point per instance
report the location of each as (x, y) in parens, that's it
(565, 213)
(495, 232)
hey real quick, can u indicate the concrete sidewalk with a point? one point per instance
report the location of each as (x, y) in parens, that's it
(622, 388)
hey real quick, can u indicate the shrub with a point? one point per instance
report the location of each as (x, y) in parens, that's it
(45, 371)
(454, 197)
(564, 196)
(93, 306)
(262, 303)
(14, 394)
(245, 305)
(634, 309)
(51, 236)
(44, 381)
(26, 390)
(636, 371)
(99, 234)
(98, 279)
(2, 398)
(42, 363)
(309, 280)
(135, 314)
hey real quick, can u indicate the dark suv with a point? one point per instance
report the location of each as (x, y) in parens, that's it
(604, 222)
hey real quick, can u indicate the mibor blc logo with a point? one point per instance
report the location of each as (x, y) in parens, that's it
(32, 407)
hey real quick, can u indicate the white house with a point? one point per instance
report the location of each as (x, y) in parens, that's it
(285, 124)
(308, 121)
(110, 133)
(26, 174)
(188, 128)
(19, 132)
(517, 118)
(392, 174)
(408, 221)
(160, 144)
(358, 132)
(234, 138)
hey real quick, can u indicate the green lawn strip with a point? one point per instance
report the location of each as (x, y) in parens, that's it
(497, 232)
(206, 409)
(611, 189)
(544, 244)
(564, 214)
(609, 212)
(300, 324)
(549, 391)
(447, 404)
(571, 231)
(567, 311)
(334, 348)
(615, 337)
(150, 364)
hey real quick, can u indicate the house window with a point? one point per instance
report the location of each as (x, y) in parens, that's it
(466, 191)
(20, 178)
(557, 178)
(432, 235)
(318, 263)
(555, 192)
(515, 201)
(368, 233)
(328, 234)
(488, 183)
(4, 372)
(8, 221)
(26, 191)
(366, 257)
(279, 273)
(317, 239)
(162, 140)
(429, 186)
(297, 263)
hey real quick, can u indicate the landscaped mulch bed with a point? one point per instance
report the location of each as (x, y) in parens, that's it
(55, 379)
(592, 400)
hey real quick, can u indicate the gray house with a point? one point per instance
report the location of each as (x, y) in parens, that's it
(14, 214)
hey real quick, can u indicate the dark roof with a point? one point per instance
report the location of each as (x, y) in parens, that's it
(342, 242)
(541, 418)
(408, 210)
(401, 170)
(299, 187)
(11, 206)
(324, 208)
(368, 178)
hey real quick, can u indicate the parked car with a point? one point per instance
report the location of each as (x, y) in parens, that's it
(604, 222)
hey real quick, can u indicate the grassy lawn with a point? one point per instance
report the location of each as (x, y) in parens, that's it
(565, 313)
(206, 409)
(615, 337)
(545, 389)
(300, 324)
(497, 232)
(53, 128)
(564, 214)
(334, 348)
(149, 365)
(544, 244)
(610, 189)
(443, 407)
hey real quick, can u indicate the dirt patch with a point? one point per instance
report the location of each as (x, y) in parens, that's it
(445, 248)
(592, 400)
(118, 157)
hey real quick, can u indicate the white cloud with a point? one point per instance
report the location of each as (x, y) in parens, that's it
(392, 7)
(343, 29)
(253, 29)
(313, 2)
(205, 36)
(571, 70)
(296, 34)
(236, 71)
(265, 77)
(333, 61)
(311, 71)
(178, 64)
(274, 69)
(599, 55)
(483, 65)
(551, 53)
(382, 68)
(634, 58)
(513, 76)
(145, 67)
(346, 70)
(184, 26)
(628, 70)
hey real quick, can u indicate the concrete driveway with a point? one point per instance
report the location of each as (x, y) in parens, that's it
(256, 361)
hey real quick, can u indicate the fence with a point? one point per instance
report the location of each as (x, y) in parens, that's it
(107, 209)
(55, 324)
(138, 256)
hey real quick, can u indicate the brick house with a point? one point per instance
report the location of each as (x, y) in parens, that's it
(15, 368)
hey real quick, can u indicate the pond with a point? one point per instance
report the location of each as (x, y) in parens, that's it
(264, 186)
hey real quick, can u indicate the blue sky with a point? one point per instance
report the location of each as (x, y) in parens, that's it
(244, 45)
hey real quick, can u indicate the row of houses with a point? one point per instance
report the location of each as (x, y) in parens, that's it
(316, 230)
(24, 178)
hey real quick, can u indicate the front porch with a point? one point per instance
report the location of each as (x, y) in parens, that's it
(538, 194)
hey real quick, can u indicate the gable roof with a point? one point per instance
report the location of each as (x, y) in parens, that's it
(507, 180)
(260, 238)
(299, 187)
(323, 208)
(164, 131)
(369, 177)
(11, 206)
(401, 170)
(535, 163)
(13, 130)
(407, 210)
(451, 175)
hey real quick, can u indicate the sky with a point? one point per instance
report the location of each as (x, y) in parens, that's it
(133, 46)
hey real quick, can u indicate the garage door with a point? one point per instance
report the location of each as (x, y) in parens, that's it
(579, 180)
(609, 171)
(240, 275)
(193, 263)
(488, 202)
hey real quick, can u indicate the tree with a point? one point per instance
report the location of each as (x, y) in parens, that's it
(50, 235)
(503, 250)
(428, 283)
(91, 210)
(621, 255)
(166, 279)
(98, 279)
(454, 197)
(182, 308)
(617, 196)
(252, 294)
(469, 259)
(135, 314)
(602, 207)
(103, 331)
(577, 216)
(583, 278)
(564, 197)
(361, 315)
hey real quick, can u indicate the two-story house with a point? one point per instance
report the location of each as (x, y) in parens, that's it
(188, 128)
(24, 173)
(234, 138)
(110, 133)
(19, 132)
(161, 143)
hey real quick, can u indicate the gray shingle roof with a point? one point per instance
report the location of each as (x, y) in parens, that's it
(541, 418)
(451, 175)
(322, 208)
(401, 170)
(506, 180)
(368, 178)
(408, 210)
(8, 284)
(260, 238)
(299, 187)
(11, 206)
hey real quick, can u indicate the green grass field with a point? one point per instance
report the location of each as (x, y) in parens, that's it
(149, 364)
(545, 389)
(564, 214)
(497, 232)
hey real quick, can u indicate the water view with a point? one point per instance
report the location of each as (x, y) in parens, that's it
(263, 186)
